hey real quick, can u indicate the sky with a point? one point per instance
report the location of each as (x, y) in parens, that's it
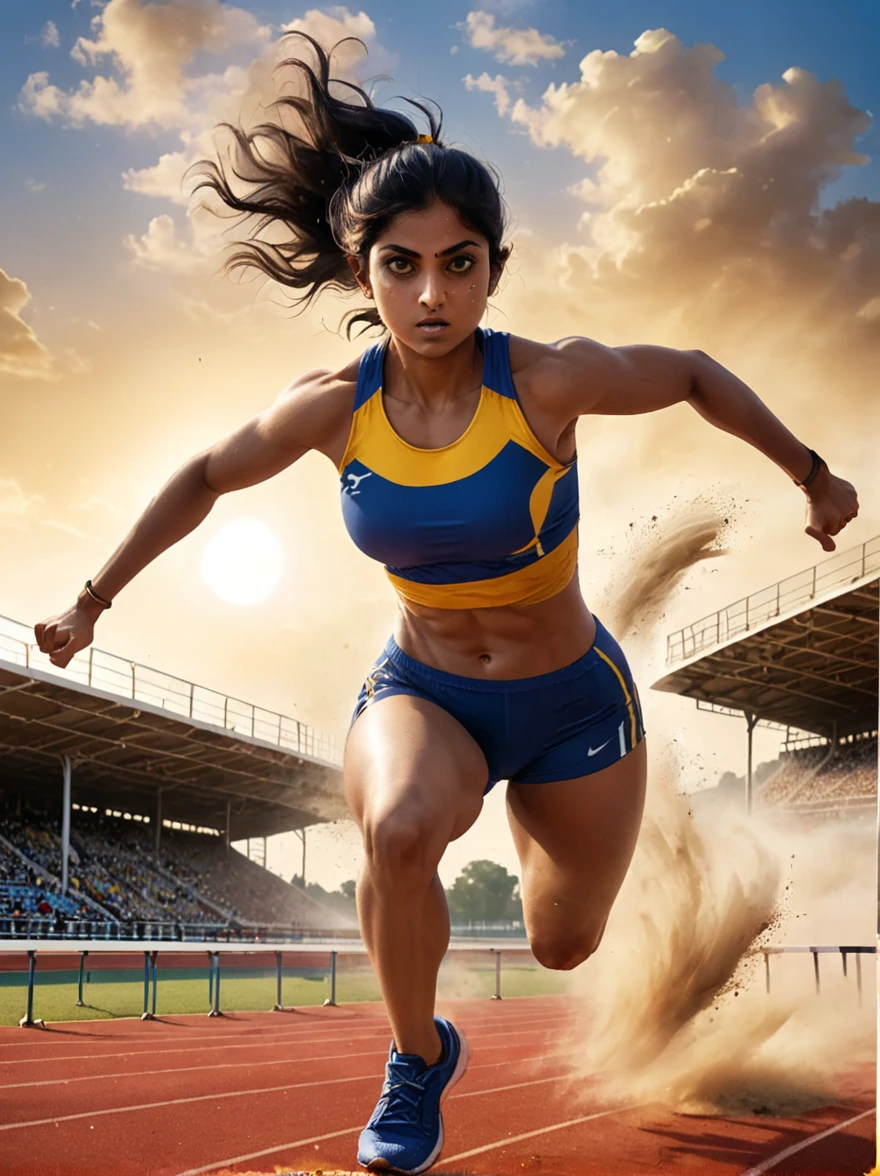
(677, 173)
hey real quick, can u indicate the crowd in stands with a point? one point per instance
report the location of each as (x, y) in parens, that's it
(794, 771)
(805, 781)
(248, 891)
(851, 774)
(25, 894)
(113, 875)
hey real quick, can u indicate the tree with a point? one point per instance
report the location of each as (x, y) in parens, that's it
(484, 892)
(348, 888)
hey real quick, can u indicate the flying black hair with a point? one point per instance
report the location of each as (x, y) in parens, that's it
(336, 185)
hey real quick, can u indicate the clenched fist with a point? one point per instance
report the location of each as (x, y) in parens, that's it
(65, 635)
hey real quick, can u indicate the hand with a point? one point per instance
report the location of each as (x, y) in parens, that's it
(65, 635)
(831, 504)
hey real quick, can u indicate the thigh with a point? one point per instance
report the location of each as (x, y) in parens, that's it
(575, 840)
(409, 762)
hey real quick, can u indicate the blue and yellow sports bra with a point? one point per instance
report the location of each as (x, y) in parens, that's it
(489, 520)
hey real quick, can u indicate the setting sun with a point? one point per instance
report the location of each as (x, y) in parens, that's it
(243, 562)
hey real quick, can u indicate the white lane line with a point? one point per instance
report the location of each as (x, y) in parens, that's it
(766, 1165)
(257, 1044)
(268, 1151)
(173, 1102)
(476, 1151)
(368, 1053)
(138, 1074)
(226, 1031)
(352, 1010)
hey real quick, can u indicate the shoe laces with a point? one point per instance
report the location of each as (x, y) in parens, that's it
(402, 1095)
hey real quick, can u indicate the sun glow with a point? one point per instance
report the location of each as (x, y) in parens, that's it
(243, 562)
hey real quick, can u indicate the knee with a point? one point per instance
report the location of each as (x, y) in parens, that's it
(401, 847)
(562, 952)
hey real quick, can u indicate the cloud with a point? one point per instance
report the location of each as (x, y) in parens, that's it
(703, 222)
(516, 46)
(35, 186)
(15, 504)
(164, 179)
(497, 86)
(160, 248)
(21, 510)
(49, 35)
(145, 53)
(21, 352)
(148, 47)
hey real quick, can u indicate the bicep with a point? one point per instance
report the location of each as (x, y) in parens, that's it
(627, 380)
(263, 446)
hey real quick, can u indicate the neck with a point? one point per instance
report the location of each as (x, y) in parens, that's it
(429, 381)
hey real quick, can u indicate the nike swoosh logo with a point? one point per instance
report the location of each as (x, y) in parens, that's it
(595, 751)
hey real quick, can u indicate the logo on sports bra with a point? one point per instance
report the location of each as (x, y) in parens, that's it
(356, 480)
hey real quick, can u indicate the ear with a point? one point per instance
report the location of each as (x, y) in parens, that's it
(360, 273)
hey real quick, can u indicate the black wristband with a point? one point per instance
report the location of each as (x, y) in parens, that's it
(94, 595)
(818, 462)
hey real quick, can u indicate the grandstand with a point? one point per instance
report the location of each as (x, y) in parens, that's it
(122, 790)
(800, 656)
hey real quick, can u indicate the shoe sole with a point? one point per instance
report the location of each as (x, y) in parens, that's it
(382, 1165)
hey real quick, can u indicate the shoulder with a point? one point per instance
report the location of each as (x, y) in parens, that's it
(318, 404)
(576, 376)
(555, 375)
(557, 362)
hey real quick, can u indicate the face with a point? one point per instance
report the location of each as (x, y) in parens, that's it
(430, 277)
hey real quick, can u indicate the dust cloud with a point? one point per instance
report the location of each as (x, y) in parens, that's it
(674, 1007)
(639, 588)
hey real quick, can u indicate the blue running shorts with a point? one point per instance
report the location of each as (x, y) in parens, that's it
(556, 726)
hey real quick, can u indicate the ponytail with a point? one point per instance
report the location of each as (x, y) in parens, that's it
(336, 185)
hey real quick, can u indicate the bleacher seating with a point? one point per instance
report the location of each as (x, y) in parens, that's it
(251, 893)
(848, 777)
(28, 896)
(194, 882)
(794, 771)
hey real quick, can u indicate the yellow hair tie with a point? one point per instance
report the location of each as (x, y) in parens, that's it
(425, 139)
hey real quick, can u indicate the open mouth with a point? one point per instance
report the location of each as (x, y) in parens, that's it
(432, 326)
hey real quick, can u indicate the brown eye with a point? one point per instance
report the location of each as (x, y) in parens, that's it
(399, 265)
(461, 269)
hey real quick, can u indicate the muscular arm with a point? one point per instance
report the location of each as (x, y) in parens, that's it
(584, 377)
(259, 449)
(305, 416)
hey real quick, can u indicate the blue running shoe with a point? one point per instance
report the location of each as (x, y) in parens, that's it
(405, 1132)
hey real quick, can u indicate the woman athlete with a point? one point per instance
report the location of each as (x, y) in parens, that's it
(456, 452)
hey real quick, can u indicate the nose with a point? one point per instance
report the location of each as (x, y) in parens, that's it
(432, 295)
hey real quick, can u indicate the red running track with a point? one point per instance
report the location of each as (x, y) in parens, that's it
(289, 1092)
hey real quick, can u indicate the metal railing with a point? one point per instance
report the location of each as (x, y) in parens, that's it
(104, 671)
(151, 950)
(844, 951)
(846, 567)
(30, 926)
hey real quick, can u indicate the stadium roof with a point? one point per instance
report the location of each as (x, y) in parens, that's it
(803, 652)
(131, 731)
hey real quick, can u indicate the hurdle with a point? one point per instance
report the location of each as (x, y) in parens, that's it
(495, 948)
(843, 950)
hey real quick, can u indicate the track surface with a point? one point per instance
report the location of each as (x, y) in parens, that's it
(289, 1092)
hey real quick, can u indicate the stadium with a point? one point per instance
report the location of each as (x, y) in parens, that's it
(122, 792)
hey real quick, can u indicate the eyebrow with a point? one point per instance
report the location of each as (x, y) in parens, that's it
(442, 253)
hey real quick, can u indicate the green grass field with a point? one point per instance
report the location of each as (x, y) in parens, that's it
(103, 1000)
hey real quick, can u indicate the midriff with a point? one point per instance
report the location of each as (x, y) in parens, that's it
(499, 643)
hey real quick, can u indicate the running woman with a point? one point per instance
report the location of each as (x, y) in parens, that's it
(455, 447)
